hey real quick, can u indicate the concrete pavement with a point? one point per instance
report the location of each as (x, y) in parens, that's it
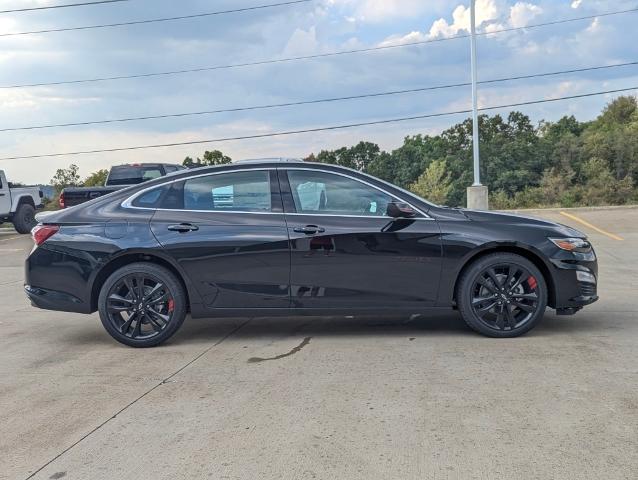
(364, 398)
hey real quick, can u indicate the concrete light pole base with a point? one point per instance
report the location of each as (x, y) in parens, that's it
(477, 197)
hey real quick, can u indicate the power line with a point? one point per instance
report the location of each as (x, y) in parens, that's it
(303, 57)
(312, 130)
(309, 102)
(66, 5)
(156, 20)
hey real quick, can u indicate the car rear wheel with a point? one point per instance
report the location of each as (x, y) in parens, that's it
(24, 218)
(502, 295)
(142, 305)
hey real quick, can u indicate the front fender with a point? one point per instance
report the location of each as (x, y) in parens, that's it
(456, 259)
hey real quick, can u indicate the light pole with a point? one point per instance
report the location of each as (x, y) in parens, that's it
(477, 194)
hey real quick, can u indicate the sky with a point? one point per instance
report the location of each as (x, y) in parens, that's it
(308, 28)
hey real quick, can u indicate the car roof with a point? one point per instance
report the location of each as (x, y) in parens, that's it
(153, 164)
(269, 160)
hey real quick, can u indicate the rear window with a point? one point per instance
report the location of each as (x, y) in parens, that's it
(132, 175)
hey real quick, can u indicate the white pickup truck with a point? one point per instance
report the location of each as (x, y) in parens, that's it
(18, 205)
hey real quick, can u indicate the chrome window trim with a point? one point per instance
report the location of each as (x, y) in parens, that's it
(127, 203)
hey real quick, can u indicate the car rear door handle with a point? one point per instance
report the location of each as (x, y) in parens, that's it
(183, 228)
(309, 229)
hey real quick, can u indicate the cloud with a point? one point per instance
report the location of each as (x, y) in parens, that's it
(523, 13)
(302, 42)
(379, 11)
(486, 10)
(403, 39)
(20, 100)
(488, 14)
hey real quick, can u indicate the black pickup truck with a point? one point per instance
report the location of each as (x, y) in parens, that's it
(120, 176)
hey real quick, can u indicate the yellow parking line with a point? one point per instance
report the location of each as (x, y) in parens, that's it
(7, 239)
(593, 227)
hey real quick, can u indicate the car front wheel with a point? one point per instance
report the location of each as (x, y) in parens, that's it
(502, 295)
(142, 305)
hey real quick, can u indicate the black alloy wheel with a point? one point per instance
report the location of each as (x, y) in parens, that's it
(502, 295)
(142, 305)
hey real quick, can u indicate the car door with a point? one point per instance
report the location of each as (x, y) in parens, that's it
(347, 253)
(5, 196)
(227, 231)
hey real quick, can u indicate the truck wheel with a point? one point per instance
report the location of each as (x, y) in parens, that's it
(24, 218)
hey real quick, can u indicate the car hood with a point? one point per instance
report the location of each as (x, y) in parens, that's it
(523, 220)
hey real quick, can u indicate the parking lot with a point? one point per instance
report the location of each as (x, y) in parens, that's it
(329, 398)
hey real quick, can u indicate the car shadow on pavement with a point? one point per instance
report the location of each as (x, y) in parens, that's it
(204, 330)
(411, 326)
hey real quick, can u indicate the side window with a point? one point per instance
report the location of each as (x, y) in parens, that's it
(247, 191)
(170, 168)
(328, 193)
(149, 199)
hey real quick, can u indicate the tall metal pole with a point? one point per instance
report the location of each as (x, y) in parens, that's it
(475, 125)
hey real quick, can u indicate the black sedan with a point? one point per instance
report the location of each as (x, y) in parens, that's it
(275, 237)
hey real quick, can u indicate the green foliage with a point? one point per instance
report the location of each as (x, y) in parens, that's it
(359, 157)
(96, 179)
(209, 158)
(66, 177)
(434, 184)
(563, 163)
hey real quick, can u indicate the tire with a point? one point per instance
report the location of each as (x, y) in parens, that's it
(24, 218)
(519, 304)
(120, 307)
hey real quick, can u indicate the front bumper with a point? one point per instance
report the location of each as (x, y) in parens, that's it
(570, 293)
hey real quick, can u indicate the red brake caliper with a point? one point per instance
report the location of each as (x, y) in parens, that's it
(531, 281)
(171, 305)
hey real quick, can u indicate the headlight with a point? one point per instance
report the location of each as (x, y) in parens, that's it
(579, 245)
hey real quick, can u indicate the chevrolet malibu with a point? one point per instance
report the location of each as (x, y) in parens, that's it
(282, 237)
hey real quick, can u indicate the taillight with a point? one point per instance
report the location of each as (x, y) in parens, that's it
(41, 233)
(61, 200)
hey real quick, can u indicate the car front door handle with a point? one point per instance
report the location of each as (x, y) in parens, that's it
(183, 228)
(309, 229)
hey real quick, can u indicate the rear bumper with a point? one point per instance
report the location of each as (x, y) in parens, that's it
(58, 279)
(54, 300)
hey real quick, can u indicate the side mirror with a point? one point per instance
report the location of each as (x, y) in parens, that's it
(400, 210)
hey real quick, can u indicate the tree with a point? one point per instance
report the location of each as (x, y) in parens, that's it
(215, 158)
(209, 158)
(96, 179)
(434, 184)
(358, 157)
(601, 187)
(562, 163)
(66, 177)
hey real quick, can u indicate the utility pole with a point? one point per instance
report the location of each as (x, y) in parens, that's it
(477, 194)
